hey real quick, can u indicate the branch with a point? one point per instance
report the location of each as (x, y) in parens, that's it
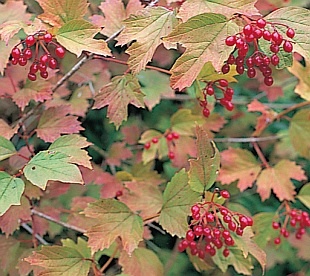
(247, 139)
(64, 224)
(30, 231)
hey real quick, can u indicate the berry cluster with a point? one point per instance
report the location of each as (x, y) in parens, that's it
(211, 225)
(251, 33)
(211, 89)
(170, 136)
(295, 221)
(40, 64)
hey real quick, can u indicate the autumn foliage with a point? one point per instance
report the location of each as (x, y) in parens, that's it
(154, 137)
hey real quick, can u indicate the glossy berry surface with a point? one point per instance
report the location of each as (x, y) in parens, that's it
(60, 52)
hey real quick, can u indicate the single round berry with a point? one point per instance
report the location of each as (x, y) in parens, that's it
(276, 37)
(175, 135)
(223, 211)
(212, 251)
(227, 97)
(266, 35)
(225, 234)
(290, 32)
(119, 193)
(42, 67)
(22, 61)
(239, 43)
(210, 217)
(226, 252)
(274, 60)
(268, 81)
(274, 48)
(232, 226)
(229, 106)
(183, 245)
(206, 112)
(210, 90)
(147, 145)
(198, 230)
(275, 225)
(27, 53)
(231, 59)
(196, 216)
(60, 52)
(261, 23)
(223, 82)
(45, 58)
(155, 140)
(227, 218)
(15, 53)
(225, 68)
(287, 46)
(266, 60)
(240, 69)
(258, 33)
(201, 254)
(248, 29)
(32, 77)
(230, 40)
(277, 240)
(30, 40)
(243, 221)
(293, 222)
(250, 62)
(171, 155)
(225, 194)
(190, 236)
(47, 37)
(239, 231)
(44, 74)
(14, 61)
(195, 209)
(169, 137)
(251, 73)
(229, 241)
(229, 91)
(52, 63)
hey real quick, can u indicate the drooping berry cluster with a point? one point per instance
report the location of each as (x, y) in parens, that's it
(212, 88)
(41, 39)
(210, 228)
(251, 33)
(294, 221)
(170, 136)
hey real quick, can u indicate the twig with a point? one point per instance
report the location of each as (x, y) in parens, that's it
(107, 263)
(64, 224)
(295, 106)
(30, 231)
(260, 155)
(247, 139)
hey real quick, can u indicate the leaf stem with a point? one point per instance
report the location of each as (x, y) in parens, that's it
(151, 217)
(107, 263)
(260, 154)
(284, 112)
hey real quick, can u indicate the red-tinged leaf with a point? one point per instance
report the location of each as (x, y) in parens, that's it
(204, 169)
(31, 191)
(9, 29)
(60, 12)
(8, 250)
(72, 145)
(13, 10)
(38, 91)
(272, 92)
(67, 260)
(239, 164)
(298, 19)
(51, 165)
(142, 197)
(141, 262)
(147, 28)
(131, 134)
(255, 105)
(304, 195)
(228, 8)
(111, 185)
(78, 36)
(115, 220)
(178, 199)
(299, 132)
(55, 189)
(302, 73)
(10, 221)
(6, 130)
(200, 48)
(11, 190)
(118, 94)
(185, 147)
(25, 268)
(302, 246)
(117, 153)
(146, 172)
(277, 178)
(214, 122)
(183, 122)
(42, 225)
(79, 101)
(154, 85)
(55, 121)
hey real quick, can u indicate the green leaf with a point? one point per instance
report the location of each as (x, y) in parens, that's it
(299, 132)
(115, 220)
(57, 13)
(203, 170)
(178, 198)
(146, 28)
(68, 260)
(50, 165)
(7, 148)
(151, 153)
(118, 94)
(141, 262)
(208, 73)
(72, 145)
(184, 122)
(304, 195)
(298, 19)
(200, 48)
(77, 36)
(11, 190)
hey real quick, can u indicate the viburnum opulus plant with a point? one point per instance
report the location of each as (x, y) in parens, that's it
(154, 137)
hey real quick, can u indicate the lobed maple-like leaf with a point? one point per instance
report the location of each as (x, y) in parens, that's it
(302, 246)
(298, 19)
(51, 165)
(59, 12)
(115, 220)
(303, 75)
(78, 36)
(55, 121)
(5, 49)
(184, 148)
(239, 164)
(67, 260)
(178, 198)
(299, 132)
(118, 94)
(6, 130)
(117, 153)
(72, 145)
(203, 36)
(277, 178)
(147, 28)
(204, 169)
(228, 8)
(9, 249)
(7, 148)
(304, 195)
(11, 189)
(141, 262)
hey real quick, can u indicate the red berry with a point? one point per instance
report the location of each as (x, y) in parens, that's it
(198, 230)
(60, 52)
(277, 240)
(216, 233)
(266, 35)
(258, 33)
(230, 40)
(225, 234)
(225, 68)
(227, 218)
(171, 155)
(231, 59)
(266, 60)
(287, 46)
(243, 221)
(229, 241)
(268, 81)
(182, 245)
(190, 236)
(293, 222)
(196, 216)
(147, 145)
(48, 37)
(206, 112)
(201, 254)
(210, 90)
(261, 23)
(223, 82)
(275, 225)
(192, 245)
(15, 53)
(274, 60)
(30, 40)
(27, 53)
(175, 135)
(225, 194)
(226, 252)
(274, 48)
(212, 251)
(32, 77)
(290, 32)
(248, 29)
(239, 43)
(42, 67)
(195, 209)
(250, 221)
(22, 61)
(118, 193)
(229, 91)
(251, 73)
(250, 62)
(155, 140)
(240, 69)
(52, 63)
(210, 217)
(14, 61)
(45, 58)
(223, 211)
(229, 106)
(44, 74)
(232, 226)
(169, 137)
(239, 231)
